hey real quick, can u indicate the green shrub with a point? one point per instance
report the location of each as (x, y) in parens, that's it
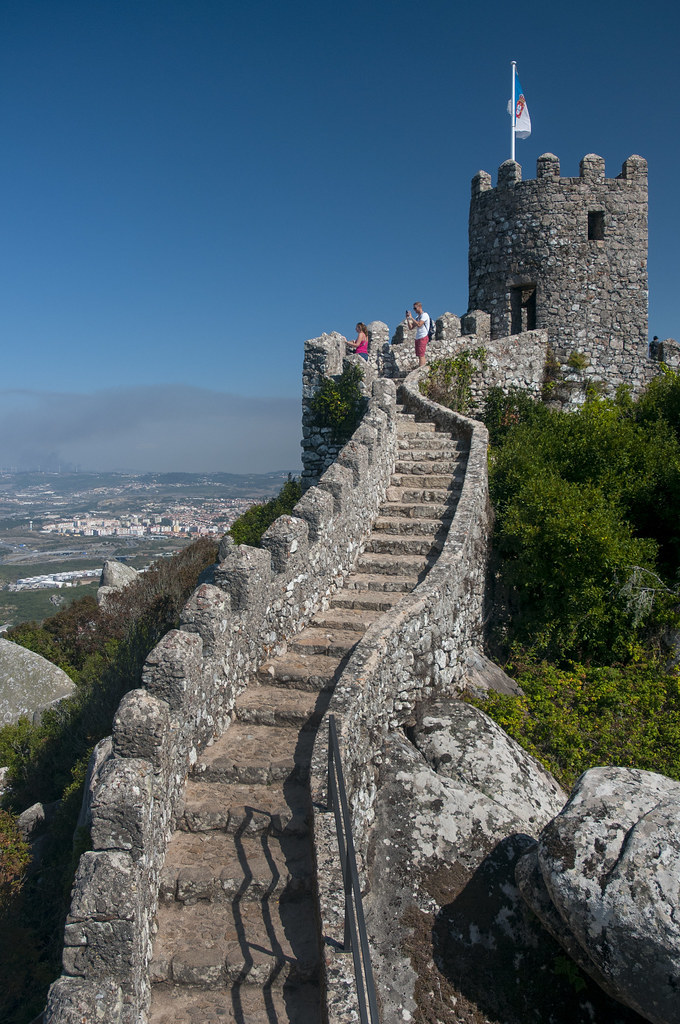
(580, 717)
(586, 531)
(14, 858)
(578, 360)
(448, 381)
(106, 650)
(339, 403)
(249, 527)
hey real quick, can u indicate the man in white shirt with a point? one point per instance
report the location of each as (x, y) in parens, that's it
(421, 322)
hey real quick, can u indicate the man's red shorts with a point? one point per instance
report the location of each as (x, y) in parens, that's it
(421, 345)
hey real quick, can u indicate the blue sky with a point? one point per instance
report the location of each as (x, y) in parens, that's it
(189, 189)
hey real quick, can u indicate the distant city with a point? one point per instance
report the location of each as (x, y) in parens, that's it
(64, 527)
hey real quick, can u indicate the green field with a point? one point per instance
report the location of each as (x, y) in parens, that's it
(28, 605)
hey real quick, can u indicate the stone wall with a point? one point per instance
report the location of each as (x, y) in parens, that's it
(413, 650)
(259, 598)
(514, 362)
(568, 255)
(327, 356)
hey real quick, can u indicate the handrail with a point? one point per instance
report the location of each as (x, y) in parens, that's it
(354, 913)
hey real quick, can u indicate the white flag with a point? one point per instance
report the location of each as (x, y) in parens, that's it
(522, 119)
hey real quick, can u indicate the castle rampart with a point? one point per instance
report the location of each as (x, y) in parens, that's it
(568, 255)
(259, 598)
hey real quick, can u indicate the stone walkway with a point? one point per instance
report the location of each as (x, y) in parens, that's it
(238, 938)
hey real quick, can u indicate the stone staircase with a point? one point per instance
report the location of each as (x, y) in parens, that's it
(237, 934)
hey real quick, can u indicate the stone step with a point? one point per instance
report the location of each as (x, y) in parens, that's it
(436, 444)
(407, 424)
(362, 600)
(319, 640)
(238, 1004)
(301, 671)
(346, 618)
(274, 705)
(215, 866)
(443, 511)
(445, 464)
(426, 480)
(246, 808)
(440, 447)
(211, 945)
(391, 565)
(403, 544)
(408, 526)
(257, 754)
(422, 495)
(396, 585)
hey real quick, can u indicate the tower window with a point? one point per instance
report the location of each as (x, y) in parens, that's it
(596, 225)
(523, 309)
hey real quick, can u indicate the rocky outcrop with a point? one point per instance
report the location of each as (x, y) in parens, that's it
(455, 809)
(605, 881)
(463, 744)
(28, 683)
(115, 575)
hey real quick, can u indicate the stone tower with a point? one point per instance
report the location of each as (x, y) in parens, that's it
(568, 255)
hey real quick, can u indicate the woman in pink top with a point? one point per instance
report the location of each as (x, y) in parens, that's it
(361, 345)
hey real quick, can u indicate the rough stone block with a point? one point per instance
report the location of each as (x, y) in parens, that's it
(208, 613)
(244, 575)
(591, 167)
(173, 668)
(338, 481)
(548, 167)
(121, 808)
(74, 1000)
(481, 183)
(509, 173)
(355, 458)
(287, 540)
(476, 322)
(140, 728)
(316, 507)
(385, 395)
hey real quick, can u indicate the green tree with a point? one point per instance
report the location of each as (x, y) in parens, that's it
(250, 526)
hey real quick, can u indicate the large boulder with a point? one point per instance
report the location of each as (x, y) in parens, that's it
(115, 575)
(455, 809)
(605, 881)
(28, 682)
(464, 744)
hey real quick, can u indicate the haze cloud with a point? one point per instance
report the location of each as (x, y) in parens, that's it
(149, 429)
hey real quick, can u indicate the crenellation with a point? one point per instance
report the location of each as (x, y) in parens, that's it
(509, 174)
(141, 727)
(122, 808)
(171, 669)
(245, 574)
(317, 508)
(208, 611)
(287, 540)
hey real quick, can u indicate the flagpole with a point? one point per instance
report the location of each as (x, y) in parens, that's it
(513, 117)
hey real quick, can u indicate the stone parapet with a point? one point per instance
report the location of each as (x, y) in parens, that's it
(261, 597)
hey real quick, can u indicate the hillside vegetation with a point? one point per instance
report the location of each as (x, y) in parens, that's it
(103, 650)
(585, 577)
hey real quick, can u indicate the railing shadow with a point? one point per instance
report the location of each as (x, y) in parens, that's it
(289, 907)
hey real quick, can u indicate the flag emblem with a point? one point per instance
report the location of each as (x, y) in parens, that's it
(522, 119)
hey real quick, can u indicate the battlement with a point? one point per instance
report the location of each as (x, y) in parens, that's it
(591, 171)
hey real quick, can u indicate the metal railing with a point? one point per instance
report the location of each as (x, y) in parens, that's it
(355, 937)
